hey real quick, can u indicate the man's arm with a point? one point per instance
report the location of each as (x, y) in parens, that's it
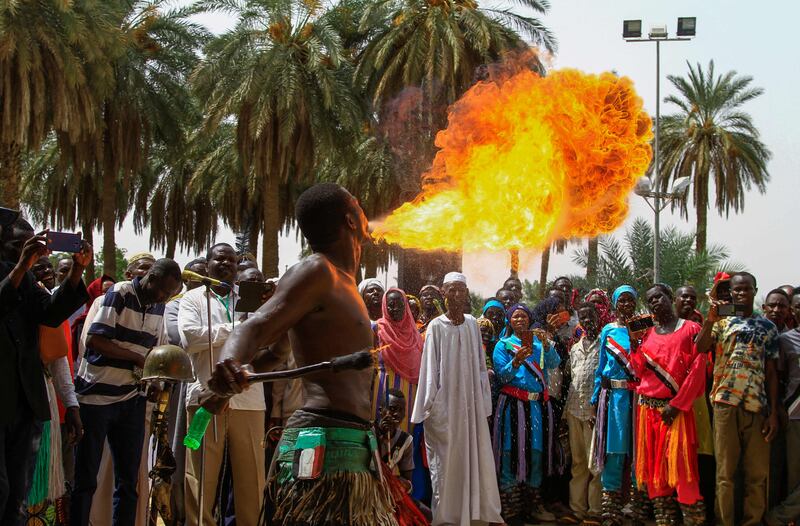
(299, 293)
(706, 338)
(109, 349)
(193, 330)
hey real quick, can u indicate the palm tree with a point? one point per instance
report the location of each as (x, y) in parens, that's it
(53, 63)
(713, 139)
(630, 260)
(282, 74)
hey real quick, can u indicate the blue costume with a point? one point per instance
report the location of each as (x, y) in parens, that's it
(518, 430)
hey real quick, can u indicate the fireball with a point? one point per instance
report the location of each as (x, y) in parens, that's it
(526, 160)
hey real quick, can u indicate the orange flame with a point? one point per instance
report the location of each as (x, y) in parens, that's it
(527, 160)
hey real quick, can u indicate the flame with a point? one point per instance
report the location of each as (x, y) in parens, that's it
(526, 160)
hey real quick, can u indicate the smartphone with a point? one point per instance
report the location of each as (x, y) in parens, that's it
(63, 242)
(640, 324)
(731, 309)
(561, 318)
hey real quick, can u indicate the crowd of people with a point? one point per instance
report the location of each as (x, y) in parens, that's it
(587, 407)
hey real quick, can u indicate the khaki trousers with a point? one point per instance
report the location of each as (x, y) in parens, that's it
(585, 490)
(737, 436)
(245, 433)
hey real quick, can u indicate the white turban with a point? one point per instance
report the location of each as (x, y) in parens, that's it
(453, 277)
(367, 282)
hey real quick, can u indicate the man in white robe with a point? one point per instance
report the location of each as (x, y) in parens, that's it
(454, 401)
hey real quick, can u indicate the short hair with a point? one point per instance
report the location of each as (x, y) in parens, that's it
(687, 286)
(217, 245)
(745, 274)
(194, 262)
(796, 292)
(778, 291)
(20, 223)
(663, 287)
(320, 213)
(397, 393)
(165, 268)
(586, 305)
(499, 291)
(562, 278)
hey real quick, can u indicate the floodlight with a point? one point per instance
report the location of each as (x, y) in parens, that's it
(658, 31)
(686, 26)
(643, 187)
(680, 185)
(632, 29)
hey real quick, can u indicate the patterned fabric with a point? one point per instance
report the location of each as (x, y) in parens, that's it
(742, 347)
(583, 361)
(388, 379)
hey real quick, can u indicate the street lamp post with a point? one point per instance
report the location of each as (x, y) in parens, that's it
(632, 32)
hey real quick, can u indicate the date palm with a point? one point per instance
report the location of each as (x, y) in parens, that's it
(713, 139)
(53, 64)
(282, 74)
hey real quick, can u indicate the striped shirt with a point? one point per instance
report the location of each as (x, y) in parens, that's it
(124, 319)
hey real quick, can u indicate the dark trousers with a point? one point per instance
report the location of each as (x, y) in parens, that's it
(15, 465)
(122, 423)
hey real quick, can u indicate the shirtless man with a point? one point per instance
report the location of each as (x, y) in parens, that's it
(318, 305)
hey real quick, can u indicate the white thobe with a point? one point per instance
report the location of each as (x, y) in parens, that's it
(454, 400)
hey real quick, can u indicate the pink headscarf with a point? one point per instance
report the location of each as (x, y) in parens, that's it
(404, 351)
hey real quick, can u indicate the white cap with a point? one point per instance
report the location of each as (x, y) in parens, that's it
(453, 277)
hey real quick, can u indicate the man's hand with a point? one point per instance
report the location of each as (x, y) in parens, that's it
(228, 378)
(33, 249)
(713, 312)
(668, 414)
(73, 425)
(770, 428)
(83, 258)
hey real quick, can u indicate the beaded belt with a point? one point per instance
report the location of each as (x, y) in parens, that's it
(520, 394)
(653, 403)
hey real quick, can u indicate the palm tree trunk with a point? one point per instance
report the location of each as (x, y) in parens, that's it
(88, 235)
(702, 215)
(271, 222)
(592, 261)
(172, 240)
(544, 270)
(108, 216)
(370, 260)
(10, 168)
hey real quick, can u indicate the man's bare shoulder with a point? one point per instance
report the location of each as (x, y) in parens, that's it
(315, 267)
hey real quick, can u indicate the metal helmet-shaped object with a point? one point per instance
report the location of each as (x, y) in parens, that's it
(167, 363)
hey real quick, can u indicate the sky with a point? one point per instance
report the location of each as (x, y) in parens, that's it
(752, 40)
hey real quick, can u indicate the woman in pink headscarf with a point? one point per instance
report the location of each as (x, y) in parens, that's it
(401, 352)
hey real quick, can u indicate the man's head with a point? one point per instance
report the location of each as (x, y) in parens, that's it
(326, 214)
(162, 282)
(139, 265)
(43, 271)
(624, 301)
(796, 306)
(788, 289)
(394, 411)
(222, 262)
(429, 295)
(506, 297)
(13, 237)
(588, 318)
(62, 269)
(198, 266)
(395, 305)
(559, 295)
(514, 285)
(456, 293)
(686, 301)
(564, 284)
(776, 307)
(743, 288)
(659, 299)
(251, 274)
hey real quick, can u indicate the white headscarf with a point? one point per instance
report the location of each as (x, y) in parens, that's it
(453, 277)
(367, 282)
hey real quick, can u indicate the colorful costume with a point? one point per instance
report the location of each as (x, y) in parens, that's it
(523, 419)
(326, 473)
(671, 373)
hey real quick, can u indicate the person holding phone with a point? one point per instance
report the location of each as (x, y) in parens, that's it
(672, 376)
(744, 396)
(614, 381)
(523, 391)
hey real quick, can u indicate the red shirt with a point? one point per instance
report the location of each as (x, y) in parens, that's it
(673, 357)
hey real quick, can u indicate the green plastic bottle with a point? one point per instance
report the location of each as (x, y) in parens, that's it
(197, 428)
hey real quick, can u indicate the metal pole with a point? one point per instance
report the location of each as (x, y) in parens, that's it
(201, 496)
(657, 192)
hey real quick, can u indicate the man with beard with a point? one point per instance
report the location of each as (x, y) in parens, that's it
(372, 291)
(242, 427)
(318, 305)
(23, 307)
(454, 401)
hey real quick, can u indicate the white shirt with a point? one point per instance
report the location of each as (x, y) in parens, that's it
(193, 326)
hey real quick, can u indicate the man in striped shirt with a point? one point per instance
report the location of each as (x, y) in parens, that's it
(127, 325)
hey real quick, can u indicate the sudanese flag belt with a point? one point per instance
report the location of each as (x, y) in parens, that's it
(621, 357)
